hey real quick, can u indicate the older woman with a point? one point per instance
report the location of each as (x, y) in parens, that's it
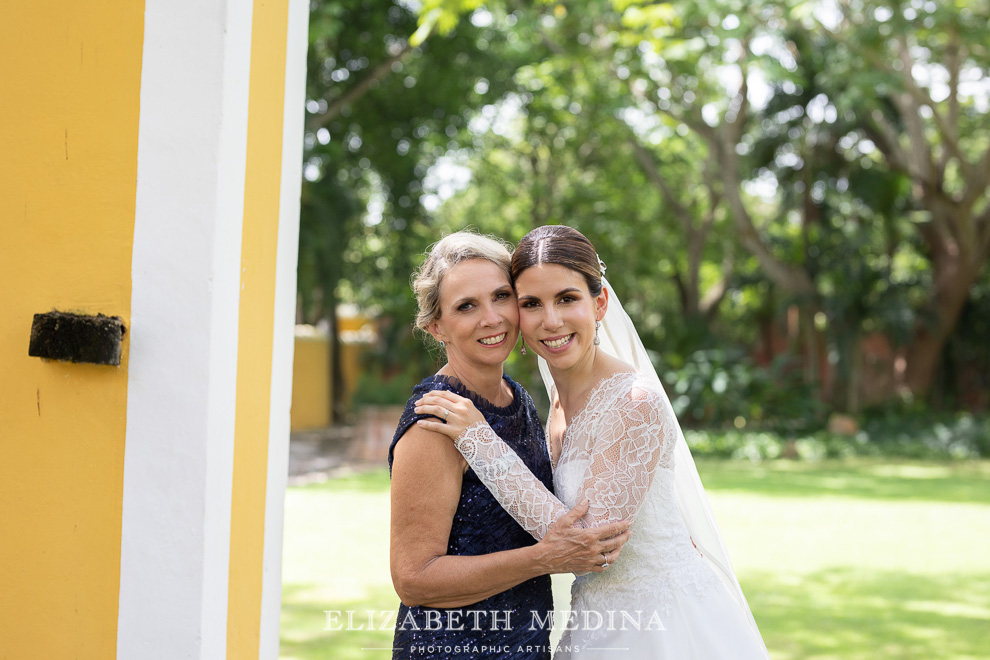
(473, 583)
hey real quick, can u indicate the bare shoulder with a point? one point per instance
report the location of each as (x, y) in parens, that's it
(427, 475)
(425, 453)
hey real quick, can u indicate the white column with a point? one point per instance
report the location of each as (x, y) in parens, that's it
(178, 457)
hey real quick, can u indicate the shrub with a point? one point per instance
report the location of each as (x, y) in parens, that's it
(722, 388)
(959, 436)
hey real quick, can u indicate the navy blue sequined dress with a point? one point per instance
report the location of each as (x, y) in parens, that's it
(520, 627)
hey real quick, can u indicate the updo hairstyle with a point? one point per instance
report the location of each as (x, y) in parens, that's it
(444, 255)
(561, 245)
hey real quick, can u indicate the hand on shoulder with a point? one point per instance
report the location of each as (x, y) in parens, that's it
(455, 412)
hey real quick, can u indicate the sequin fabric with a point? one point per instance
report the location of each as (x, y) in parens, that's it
(514, 623)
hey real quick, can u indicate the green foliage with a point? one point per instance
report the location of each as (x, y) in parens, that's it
(919, 433)
(375, 388)
(380, 113)
(883, 435)
(626, 120)
(723, 388)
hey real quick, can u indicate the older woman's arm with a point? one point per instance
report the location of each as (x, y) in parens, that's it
(633, 439)
(426, 488)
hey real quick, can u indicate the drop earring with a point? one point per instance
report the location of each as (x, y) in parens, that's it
(598, 324)
(523, 349)
(442, 345)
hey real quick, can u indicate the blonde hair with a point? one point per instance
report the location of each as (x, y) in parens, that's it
(444, 255)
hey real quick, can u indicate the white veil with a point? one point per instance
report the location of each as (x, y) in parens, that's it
(620, 339)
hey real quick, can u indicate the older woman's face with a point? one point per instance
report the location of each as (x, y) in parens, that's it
(479, 319)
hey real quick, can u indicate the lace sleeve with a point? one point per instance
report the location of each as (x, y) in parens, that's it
(633, 439)
(519, 492)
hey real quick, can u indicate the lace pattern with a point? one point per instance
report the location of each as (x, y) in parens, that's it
(619, 441)
(526, 499)
(658, 563)
(628, 415)
(617, 452)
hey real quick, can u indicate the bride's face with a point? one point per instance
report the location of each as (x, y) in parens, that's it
(479, 319)
(557, 313)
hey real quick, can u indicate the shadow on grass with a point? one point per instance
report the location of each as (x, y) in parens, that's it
(856, 615)
(305, 634)
(964, 481)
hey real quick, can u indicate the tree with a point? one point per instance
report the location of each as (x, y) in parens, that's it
(587, 162)
(386, 99)
(914, 74)
(871, 131)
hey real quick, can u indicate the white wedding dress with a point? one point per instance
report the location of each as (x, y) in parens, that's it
(666, 596)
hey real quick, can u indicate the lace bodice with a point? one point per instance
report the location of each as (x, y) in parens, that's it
(617, 452)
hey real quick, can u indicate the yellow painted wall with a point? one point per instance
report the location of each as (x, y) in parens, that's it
(311, 383)
(68, 172)
(255, 335)
(311, 375)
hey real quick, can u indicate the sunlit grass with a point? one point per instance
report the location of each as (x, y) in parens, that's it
(854, 560)
(336, 558)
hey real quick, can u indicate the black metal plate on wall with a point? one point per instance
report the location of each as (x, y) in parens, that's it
(77, 337)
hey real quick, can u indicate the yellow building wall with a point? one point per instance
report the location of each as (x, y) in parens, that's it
(311, 388)
(68, 172)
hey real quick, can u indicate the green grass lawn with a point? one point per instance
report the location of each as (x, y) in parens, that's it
(855, 560)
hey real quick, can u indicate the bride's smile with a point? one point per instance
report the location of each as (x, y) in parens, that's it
(557, 343)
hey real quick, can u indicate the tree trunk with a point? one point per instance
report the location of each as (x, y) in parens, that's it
(337, 408)
(953, 280)
(854, 373)
(809, 336)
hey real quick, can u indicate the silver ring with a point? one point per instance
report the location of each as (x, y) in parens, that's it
(605, 557)
(445, 413)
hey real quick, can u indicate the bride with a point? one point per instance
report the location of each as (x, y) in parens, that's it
(613, 440)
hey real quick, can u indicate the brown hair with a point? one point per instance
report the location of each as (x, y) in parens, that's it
(444, 255)
(561, 245)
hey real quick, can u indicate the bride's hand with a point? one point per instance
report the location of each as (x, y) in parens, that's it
(457, 413)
